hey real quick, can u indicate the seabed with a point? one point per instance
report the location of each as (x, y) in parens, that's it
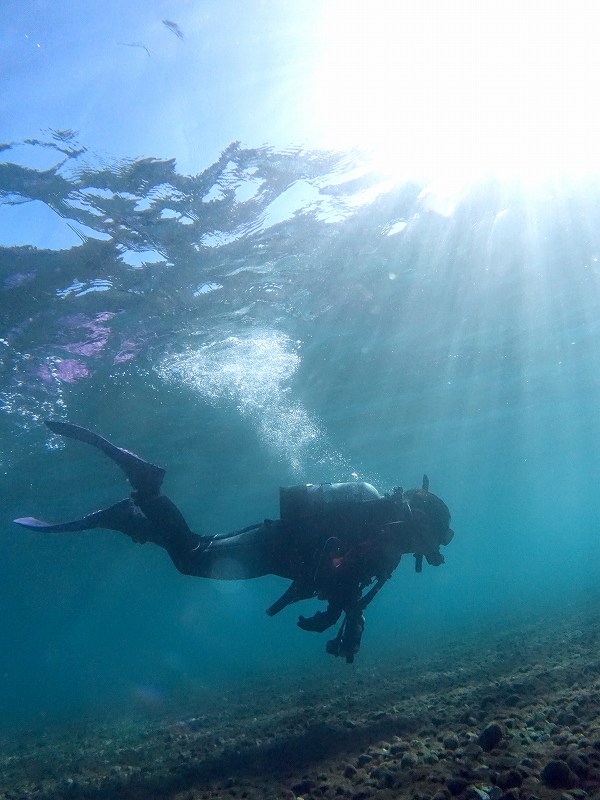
(511, 715)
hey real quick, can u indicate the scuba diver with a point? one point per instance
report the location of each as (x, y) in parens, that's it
(339, 542)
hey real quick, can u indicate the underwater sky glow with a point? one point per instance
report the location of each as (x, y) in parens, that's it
(431, 89)
(454, 91)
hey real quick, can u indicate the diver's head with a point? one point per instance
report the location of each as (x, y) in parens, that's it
(428, 510)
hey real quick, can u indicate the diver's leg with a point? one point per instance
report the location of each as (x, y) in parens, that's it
(255, 551)
(251, 553)
(142, 475)
(155, 520)
(123, 516)
(171, 530)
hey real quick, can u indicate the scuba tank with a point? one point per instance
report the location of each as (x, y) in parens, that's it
(299, 503)
(350, 511)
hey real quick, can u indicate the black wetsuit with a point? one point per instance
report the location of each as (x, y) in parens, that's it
(332, 541)
(333, 553)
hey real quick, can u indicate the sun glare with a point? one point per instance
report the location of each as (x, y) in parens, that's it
(456, 90)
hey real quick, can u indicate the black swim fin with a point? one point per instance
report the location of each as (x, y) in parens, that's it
(146, 478)
(124, 516)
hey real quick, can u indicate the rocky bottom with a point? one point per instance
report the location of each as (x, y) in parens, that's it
(497, 717)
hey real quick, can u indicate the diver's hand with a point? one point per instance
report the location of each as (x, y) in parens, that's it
(322, 620)
(319, 622)
(347, 641)
(434, 559)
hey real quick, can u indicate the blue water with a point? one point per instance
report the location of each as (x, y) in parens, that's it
(284, 317)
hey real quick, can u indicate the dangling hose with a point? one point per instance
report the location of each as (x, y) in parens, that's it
(373, 591)
(319, 562)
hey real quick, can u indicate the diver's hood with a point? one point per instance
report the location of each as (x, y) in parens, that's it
(434, 509)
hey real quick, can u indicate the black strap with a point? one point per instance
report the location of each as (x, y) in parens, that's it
(373, 591)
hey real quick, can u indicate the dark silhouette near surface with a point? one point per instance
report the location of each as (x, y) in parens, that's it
(339, 542)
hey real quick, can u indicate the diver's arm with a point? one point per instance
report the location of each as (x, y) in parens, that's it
(322, 620)
(342, 590)
(347, 642)
(348, 639)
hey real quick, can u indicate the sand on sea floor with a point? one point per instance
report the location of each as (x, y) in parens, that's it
(510, 715)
